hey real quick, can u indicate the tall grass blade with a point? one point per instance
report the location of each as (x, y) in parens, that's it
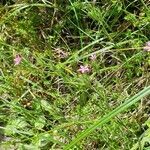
(109, 116)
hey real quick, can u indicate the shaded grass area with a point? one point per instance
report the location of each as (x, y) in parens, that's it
(45, 101)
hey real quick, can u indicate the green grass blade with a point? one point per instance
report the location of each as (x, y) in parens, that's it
(108, 116)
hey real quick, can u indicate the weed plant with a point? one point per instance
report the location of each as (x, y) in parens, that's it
(74, 74)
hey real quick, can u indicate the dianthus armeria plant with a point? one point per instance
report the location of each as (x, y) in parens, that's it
(84, 69)
(74, 75)
(17, 59)
(147, 46)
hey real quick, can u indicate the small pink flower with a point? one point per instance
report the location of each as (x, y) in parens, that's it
(84, 69)
(17, 59)
(147, 46)
(93, 57)
(148, 43)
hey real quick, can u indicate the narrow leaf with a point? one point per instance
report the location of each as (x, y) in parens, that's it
(109, 116)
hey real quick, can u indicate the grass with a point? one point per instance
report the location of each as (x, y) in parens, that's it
(47, 103)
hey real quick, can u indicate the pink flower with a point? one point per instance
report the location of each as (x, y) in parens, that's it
(17, 59)
(84, 69)
(93, 57)
(148, 43)
(147, 46)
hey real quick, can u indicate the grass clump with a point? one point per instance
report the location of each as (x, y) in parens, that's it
(71, 74)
